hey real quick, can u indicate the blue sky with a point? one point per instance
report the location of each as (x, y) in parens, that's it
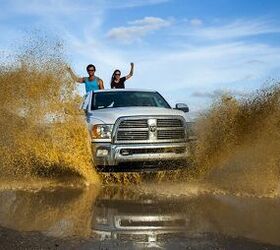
(189, 50)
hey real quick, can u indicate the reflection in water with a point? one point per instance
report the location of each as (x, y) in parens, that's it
(59, 213)
(136, 220)
(139, 219)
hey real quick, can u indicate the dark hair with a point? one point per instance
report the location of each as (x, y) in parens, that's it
(113, 76)
(91, 66)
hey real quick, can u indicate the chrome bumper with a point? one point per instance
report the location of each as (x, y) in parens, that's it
(131, 153)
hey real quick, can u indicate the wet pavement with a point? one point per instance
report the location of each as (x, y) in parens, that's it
(114, 217)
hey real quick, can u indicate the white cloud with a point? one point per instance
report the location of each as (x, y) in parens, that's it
(70, 7)
(137, 29)
(196, 22)
(36, 7)
(234, 30)
(131, 3)
(150, 21)
(219, 92)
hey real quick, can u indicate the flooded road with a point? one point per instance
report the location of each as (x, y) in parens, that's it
(136, 217)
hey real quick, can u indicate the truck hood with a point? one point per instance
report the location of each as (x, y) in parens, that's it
(110, 115)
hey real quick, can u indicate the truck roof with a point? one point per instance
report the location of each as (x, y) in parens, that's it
(126, 90)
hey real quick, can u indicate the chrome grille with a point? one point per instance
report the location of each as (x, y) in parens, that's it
(150, 129)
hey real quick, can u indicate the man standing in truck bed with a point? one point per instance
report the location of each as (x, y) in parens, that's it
(91, 82)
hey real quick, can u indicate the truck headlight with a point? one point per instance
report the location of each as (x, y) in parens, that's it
(102, 131)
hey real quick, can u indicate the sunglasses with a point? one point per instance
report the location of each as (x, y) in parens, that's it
(117, 74)
(91, 70)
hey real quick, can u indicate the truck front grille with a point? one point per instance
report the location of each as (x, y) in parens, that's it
(147, 130)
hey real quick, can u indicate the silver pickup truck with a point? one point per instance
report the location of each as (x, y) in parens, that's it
(137, 130)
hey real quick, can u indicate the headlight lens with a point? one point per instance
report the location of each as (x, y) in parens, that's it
(102, 131)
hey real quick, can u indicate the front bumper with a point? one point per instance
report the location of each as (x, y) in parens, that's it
(110, 155)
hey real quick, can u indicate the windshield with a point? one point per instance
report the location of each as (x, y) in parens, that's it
(116, 99)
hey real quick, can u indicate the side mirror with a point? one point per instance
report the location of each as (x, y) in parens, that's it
(183, 107)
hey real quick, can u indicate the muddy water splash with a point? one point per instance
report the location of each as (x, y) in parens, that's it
(238, 144)
(39, 133)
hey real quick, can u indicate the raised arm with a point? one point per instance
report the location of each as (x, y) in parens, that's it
(73, 76)
(100, 83)
(131, 71)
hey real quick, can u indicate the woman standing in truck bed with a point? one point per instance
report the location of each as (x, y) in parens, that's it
(117, 82)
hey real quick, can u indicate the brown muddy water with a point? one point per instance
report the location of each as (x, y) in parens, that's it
(42, 132)
(136, 217)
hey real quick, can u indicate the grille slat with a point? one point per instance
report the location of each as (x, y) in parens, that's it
(132, 135)
(139, 123)
(170, 134)
(162, 123)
